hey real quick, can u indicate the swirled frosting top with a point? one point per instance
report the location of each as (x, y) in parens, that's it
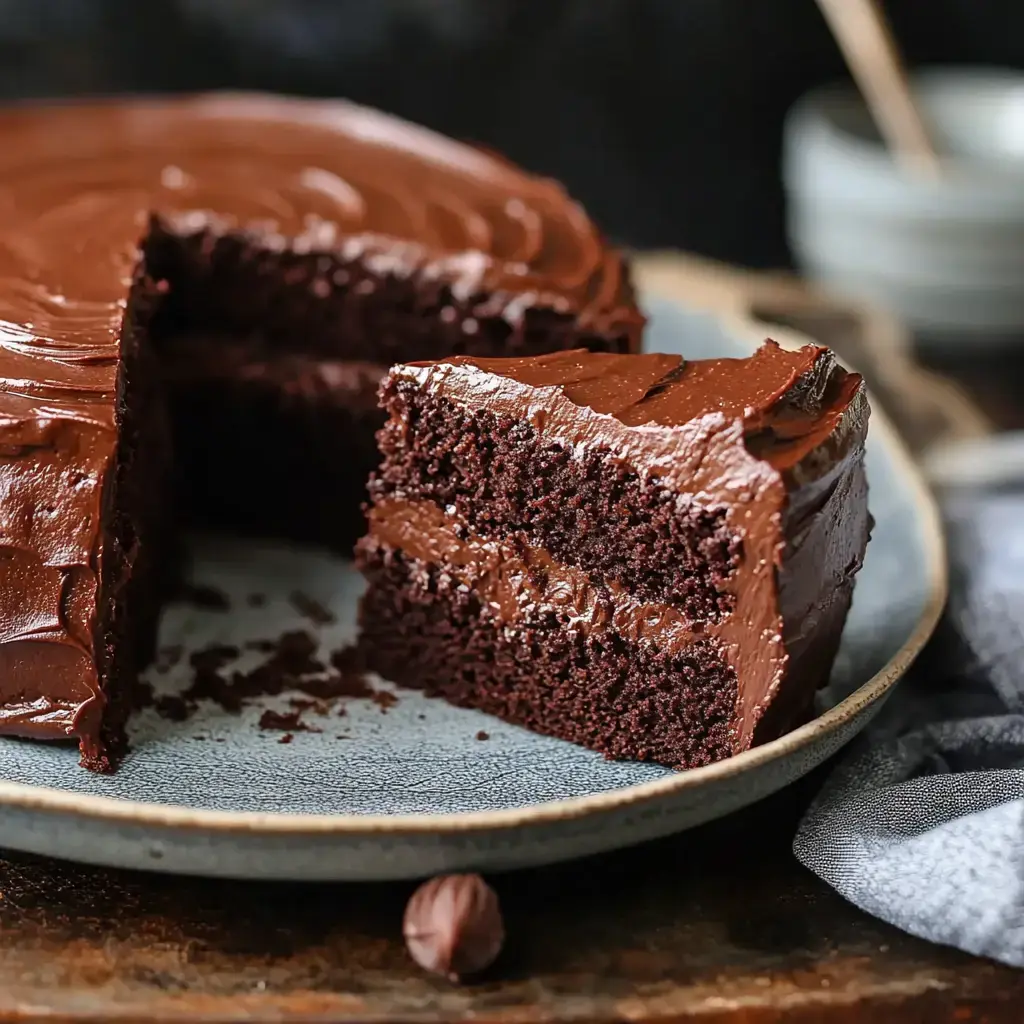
(789, 402)
(79, 182)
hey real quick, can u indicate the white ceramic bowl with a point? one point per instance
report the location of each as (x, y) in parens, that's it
(946, 255)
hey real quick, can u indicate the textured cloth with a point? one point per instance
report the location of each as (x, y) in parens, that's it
(922, 822)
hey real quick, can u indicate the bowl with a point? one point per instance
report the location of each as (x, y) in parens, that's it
(947, 255)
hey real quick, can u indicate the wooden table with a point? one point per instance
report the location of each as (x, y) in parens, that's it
(718, 925)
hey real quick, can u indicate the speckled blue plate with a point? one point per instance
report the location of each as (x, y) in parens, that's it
(410, 790)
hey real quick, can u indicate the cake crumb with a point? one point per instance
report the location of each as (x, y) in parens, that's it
(172, 707)
(207, 681)
(481, 735)
(202, 596)
(284, 721)
(214, 657)
(291, 665)
(264, 646)
(384, 699)
(311, 609)
(348, 663)
(318, 707)
(286, 738)
(143, 695)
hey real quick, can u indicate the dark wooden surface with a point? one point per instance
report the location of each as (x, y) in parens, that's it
(721, 924)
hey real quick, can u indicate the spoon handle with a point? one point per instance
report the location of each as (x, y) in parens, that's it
(863, 33)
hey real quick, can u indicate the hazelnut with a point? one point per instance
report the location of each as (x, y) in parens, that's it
(453, 925)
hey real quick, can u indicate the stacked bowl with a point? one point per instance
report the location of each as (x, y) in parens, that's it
(947, 253)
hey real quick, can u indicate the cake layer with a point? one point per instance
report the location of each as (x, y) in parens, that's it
(355, 302)
(514, 579)
(424, 629)
(87, 537)
(797, 411)
(300, 177)
(270, 443)
(505, 478)
(584, 474)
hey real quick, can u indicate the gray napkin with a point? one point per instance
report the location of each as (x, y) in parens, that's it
(922, 822)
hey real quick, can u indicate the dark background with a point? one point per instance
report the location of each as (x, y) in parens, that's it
(663, 116)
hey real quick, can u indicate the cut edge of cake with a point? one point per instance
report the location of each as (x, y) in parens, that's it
(650, 557)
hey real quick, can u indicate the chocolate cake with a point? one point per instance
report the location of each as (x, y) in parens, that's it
(197, 300)
(650, 557)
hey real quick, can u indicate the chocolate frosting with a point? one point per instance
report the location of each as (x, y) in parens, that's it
(79, 185)
(505, 576)
(777, 394)
(775, 441)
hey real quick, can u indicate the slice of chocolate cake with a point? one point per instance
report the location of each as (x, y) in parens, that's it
(245, 267)
(650, 557)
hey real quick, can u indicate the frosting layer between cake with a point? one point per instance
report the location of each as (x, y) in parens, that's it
(513, 578)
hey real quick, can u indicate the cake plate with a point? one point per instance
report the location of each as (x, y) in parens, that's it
(401, 786)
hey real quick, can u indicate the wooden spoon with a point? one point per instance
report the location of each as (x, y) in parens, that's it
(863, 33)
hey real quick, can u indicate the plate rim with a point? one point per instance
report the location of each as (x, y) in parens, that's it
(118, 810)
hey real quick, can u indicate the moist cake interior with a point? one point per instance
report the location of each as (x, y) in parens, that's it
(648, 557)
(273, 390)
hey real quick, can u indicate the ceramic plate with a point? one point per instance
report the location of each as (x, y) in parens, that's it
(409, 789)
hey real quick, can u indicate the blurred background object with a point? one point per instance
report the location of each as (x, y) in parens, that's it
(664, 116)
(862, 30)
(946, 253)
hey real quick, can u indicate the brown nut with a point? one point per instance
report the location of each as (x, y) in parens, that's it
(453, 925)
